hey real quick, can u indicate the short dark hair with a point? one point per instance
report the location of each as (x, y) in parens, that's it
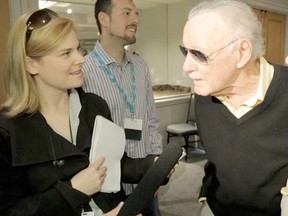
(102, 6)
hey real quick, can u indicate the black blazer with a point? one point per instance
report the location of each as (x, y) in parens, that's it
(36, 164)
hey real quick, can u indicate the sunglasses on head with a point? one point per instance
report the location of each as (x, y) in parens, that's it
(200, 57)
(38, 19)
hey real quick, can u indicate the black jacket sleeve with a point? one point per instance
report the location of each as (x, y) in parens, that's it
(209, 178)
(132, 170)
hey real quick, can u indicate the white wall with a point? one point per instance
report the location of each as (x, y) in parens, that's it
(158, 37)
(152, 41)
(177, 17)
(17, 8)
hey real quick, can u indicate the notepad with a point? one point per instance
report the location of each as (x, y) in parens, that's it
(108, 140)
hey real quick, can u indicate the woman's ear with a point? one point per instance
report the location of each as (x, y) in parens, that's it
(31, 66)
(244, 53)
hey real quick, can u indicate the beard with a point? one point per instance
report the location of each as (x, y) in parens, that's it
(129, 40)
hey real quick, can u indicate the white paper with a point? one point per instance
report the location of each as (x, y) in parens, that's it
(108, 140)
(284, 200)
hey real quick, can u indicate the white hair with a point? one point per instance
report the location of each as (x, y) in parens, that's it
(240, 17)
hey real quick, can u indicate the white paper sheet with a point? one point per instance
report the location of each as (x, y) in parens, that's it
(284, 200)
(108, 140)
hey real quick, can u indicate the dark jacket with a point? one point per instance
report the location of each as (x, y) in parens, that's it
(36, 164)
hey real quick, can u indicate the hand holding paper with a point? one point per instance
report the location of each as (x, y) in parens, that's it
(108, 140)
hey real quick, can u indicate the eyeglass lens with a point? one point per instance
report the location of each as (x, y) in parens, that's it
(200, 57)
(38, 19)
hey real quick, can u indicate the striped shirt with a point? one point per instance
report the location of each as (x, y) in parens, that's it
(97, 81)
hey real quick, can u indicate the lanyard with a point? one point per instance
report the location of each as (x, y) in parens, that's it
(120, 88)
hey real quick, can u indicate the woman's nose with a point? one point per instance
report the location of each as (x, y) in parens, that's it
(80, 58)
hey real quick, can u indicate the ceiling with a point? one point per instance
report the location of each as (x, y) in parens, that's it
(85, 5)
(285, 2)
(147, 1)
(82, 6)
(141, 4)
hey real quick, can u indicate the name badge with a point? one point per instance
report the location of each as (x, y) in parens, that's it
(90, 213)
(133, 128)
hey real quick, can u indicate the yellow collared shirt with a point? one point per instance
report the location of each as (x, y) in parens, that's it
(266, 75)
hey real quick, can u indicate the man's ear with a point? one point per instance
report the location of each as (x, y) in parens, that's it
(244, 53)
(31, 66)
(104, 19)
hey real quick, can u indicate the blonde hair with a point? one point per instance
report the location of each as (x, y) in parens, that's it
(22, 96)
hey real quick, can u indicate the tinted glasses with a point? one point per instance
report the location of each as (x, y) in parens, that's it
(38, 19)
(200, 57)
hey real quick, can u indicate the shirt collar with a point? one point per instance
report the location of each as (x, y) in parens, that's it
(266, 75)
(107, 59)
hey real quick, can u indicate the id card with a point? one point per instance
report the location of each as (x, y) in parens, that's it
(133, 128)
(91, 213)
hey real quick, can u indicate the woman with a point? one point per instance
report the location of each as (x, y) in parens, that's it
(46, 126)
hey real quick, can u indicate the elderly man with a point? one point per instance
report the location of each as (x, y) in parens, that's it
(241, 108)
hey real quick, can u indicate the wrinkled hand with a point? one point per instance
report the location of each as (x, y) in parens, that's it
(90, 179)
(169, 175)
(173, 170)
(116, 210)
(157, 192)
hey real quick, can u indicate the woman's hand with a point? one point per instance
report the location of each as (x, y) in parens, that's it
(90, 180)
(116, 210)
